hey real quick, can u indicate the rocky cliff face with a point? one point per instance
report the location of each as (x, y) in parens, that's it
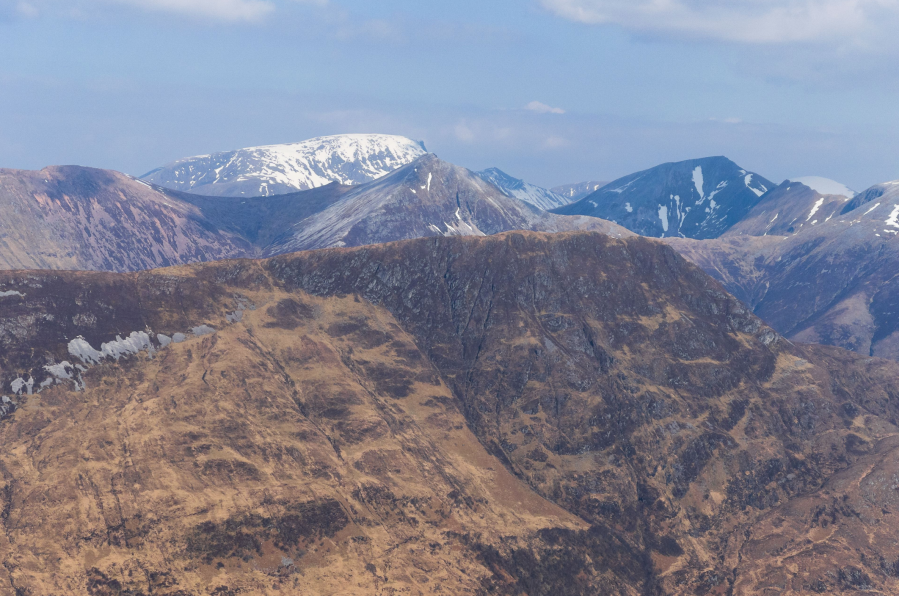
(523, 413)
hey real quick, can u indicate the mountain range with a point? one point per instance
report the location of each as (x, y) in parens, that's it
(833, 281)
(83, 218)
(515, 414)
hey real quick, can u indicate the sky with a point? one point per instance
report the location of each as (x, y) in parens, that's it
(552, 91)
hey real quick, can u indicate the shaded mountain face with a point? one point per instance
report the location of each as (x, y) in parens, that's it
(524, 413)
(82, 218)
(523, 191)
(699, 198)
(792, 206)
(833, 283)
(576, 192)
(429, 197)
(281, 169)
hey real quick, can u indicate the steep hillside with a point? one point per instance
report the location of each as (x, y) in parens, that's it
(792, 206)
(832, 283)
(281, 169)
(523, 191)
(519, 414)
(699, 198)
(82, 218)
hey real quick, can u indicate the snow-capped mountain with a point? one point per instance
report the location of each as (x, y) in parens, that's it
(699, 198)
(428, 197)
(279, 169)
(523, 191)
(576, 192)
(796, 204)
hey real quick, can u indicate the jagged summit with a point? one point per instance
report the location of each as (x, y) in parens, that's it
(278, 169)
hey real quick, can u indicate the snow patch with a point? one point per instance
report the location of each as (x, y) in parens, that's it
(698, 182)
(19, 384)
(663, 215)
(11, 293)
(893, 219)
(817, 206)
(134, 343)
(871, 209)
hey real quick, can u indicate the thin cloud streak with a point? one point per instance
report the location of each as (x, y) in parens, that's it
(223, 10)
(743, 21)
(542, 108)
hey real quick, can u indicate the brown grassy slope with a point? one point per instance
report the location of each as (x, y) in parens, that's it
(565, 414)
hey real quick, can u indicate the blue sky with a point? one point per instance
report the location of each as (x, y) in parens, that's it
(553, 91)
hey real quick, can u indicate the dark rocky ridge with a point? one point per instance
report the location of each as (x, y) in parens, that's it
(688, 443)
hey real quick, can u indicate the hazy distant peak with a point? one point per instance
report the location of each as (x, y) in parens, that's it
(825, 186)
(523, 191)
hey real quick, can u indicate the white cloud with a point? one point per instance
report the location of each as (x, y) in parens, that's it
(463, 132)
(747, 21)
(555, 142)
(221, 10)
(542, 108)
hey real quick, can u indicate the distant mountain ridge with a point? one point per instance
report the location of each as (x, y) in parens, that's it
(576, 192)
(523, 191)
(279, 169)
(699, 198)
